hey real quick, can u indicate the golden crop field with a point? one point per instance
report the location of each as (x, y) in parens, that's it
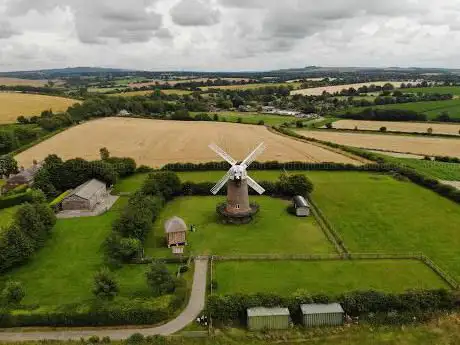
(156, 142)
(396, 143)
(13, 105)
(318, 91)
(409, 127)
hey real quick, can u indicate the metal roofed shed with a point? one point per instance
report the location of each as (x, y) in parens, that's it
(314, 315)
(268, 318)
(86, 196)
(301, 205)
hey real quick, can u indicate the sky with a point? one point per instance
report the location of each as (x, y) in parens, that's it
(228, 35)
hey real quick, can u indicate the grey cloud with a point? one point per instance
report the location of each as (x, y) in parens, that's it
(96, 21)
(6, 30)
(195, 13)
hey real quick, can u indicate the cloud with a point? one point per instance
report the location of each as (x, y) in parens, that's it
(195, 13)
(6, 30)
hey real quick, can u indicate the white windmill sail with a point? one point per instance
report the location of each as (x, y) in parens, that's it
(254, 185)
(223, 154)
(254, 154)
(221, 183)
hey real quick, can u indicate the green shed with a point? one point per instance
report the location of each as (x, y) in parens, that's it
(322, 314)
(268, 318)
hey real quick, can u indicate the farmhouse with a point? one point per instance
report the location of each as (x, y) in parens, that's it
(85, 197)
(176, 231)
(302, 207)
(24, 177)
(322, 314)
(268, 318)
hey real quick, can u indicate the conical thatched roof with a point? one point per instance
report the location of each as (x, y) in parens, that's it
(175, 224)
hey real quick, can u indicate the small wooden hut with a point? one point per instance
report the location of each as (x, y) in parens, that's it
(302, 207)
(176, 232)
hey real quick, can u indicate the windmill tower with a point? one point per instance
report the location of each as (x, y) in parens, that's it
(237, 180)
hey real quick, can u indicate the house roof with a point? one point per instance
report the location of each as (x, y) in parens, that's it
(28, 173)
(308, 309)
(300, 201)
(261, 311)
(175, 224)
(88, 189)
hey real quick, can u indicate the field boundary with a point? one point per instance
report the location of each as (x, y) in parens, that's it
(450, 281)
(388, 132)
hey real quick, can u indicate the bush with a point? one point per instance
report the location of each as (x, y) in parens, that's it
(94, 339)
(183, 269)
(159, 279)
(135, 339)
(12, 294)
(261, 123)
(165, 183)
(105, 285)
(383, 129)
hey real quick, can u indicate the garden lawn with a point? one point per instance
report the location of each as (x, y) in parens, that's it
(329, 277)
(273, 231)
(376, 213)
(130, 184)
(62, 271)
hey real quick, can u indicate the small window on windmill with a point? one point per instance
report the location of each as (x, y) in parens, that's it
(237, 206)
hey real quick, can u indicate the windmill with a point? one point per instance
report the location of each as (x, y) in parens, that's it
(237, 181)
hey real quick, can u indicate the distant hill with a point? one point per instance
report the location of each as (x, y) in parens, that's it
(63, 72)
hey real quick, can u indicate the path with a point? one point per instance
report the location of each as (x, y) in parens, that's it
(190, 313)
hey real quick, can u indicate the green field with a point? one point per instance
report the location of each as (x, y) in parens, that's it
(329, 277)
(454, 90)
(376, 213)
(62, 272)
(273, 231)
(437, 170)
(252, 117)
(294, 85)
(431, 109)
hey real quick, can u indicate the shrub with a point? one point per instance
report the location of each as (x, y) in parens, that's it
(159, 279)
(105, 285)
(165, 183)
(290, 185)
(136, 338)
(329, 125)
(94, 339)
(383, 129)
(183, 269)
(239, 120)
(261, 123)
(13, 293)
(105, 340)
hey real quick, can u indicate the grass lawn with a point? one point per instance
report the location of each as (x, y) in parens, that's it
(273, 231)
(6, 216)
(62, 272)
(131, 183)
(376, 213)
(431, 109)
(330, 277)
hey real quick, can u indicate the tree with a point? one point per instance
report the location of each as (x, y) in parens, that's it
(329, 125)
(23, 120)
(105, 285)
(12, 293)
(429, 130)
(160, 280)
(8, 141)
(165, 183)
(104, 153)
(290, 185)
(8, 165)
(215, 117)
(383, 129)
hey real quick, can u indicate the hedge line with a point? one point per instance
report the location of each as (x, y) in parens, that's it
(232, 308)
(15, 199)
(97, 313)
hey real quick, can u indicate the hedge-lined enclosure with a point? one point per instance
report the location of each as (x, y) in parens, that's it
(398, 308)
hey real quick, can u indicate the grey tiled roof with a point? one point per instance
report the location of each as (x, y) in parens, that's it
(88, 189)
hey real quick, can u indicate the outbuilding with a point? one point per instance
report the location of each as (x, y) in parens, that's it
(301, 205)
(24, 177)
(176, 232)
(268, 318)
(315, 315)
(85, 197)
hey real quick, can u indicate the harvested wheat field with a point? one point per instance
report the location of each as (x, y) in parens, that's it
(318, 91)
(395, 143)
(156, 142)
(409, 127)
(17, 104)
